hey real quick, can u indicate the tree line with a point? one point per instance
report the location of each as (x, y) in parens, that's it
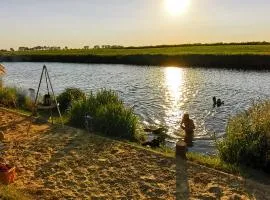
(37, 48)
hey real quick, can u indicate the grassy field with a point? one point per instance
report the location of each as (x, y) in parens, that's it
(218, 56)
(182, 50)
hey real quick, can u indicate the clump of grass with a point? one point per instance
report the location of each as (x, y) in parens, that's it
(110, 116)
(215, 162)
(104, 97)
(246, 137)
(10, 193)
(69, 95)
(15, 98)
(8, 97)
(116, 120)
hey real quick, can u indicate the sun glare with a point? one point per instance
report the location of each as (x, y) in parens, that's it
(176, 7)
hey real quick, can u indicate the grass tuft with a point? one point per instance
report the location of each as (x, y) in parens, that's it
(216, 163)
(109, 115)
(11, 193)
(247, 137)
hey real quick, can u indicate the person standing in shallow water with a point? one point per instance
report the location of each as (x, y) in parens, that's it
(217, 102)
(188, 126)
(214, 101)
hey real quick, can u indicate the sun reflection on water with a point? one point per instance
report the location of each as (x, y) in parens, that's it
(174, 82)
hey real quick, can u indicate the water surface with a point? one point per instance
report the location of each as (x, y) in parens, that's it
(159, 95)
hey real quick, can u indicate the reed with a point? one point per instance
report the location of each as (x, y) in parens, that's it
(8, 97)
(68, 96)
(109, 115)
(247, 137)
(12, 97)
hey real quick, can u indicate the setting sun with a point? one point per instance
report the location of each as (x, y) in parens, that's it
(176, 7)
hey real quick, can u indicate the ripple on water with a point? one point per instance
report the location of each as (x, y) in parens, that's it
(159, 95)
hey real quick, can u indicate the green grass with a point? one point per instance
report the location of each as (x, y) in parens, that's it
(11, 193)
(247, 136)
(182, 50)
(239, 56)
(68, 96)
(110, 115)
(216, 163)
(14, 98)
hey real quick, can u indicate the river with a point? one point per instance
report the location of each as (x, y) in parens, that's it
(159, 95)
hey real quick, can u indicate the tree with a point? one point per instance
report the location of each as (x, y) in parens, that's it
(23, 48)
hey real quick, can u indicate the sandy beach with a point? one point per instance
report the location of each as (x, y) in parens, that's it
(53, 162)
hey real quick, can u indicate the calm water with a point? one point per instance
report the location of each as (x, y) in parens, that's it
(159, 95)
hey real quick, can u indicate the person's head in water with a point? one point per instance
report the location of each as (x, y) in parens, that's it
(219, 102)
(185, 117)
(214, 100)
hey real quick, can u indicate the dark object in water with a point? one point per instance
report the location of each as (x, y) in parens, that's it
(160, 140)
(148, 129)
(214, 101)
(157, 131)
(219, 102)
(153, 143)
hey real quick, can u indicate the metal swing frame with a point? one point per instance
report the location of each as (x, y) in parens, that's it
(45, 107)
(48, 83)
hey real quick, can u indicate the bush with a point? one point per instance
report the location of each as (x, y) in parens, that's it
(70, 95)
(110, 116)
(8, 97)
(246, 137)
(116, 120)
(104, 97)
(15, 98)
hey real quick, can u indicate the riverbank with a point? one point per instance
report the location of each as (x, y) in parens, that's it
(64, 163)
(255, 57)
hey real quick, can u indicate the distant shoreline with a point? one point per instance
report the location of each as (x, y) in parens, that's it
(255, 62)
(252, 57)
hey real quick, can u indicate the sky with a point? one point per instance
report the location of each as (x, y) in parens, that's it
(78, 23)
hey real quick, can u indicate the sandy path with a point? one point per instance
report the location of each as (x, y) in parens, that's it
(66, 163)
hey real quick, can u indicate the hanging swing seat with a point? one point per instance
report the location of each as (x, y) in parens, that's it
(45, 107)
(47, 103)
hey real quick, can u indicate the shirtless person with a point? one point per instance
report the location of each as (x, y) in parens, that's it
(188, 126)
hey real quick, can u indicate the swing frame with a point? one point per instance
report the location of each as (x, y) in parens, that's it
(54, 103)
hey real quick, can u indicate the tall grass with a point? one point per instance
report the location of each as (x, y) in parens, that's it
(8, 97)
(114, 119)
(109, 115)
(216, 163)
(15, 98)
(247, 137)
(11, 193)
(69, 95)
